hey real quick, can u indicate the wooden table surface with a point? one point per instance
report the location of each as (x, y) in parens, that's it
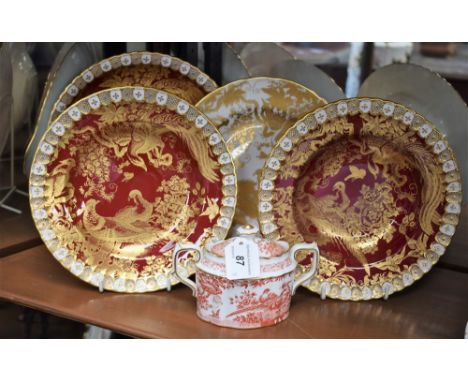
(17, 232)
(434, 307)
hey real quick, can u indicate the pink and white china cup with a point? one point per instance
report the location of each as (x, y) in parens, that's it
(245, 303)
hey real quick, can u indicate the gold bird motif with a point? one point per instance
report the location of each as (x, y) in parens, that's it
(212, 210)
(356, 173)
(127, 219)
(199, 149)
(145, 139)
(134, 218)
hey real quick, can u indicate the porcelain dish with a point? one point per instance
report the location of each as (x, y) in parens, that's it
(123, 175)
(375, 184)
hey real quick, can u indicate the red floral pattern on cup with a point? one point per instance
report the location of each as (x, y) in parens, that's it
(243, 303)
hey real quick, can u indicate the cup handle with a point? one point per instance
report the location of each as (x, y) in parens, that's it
(182, 247)
(313, 268)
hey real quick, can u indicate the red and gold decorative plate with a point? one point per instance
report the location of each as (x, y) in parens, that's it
(374, 184)
(120, 177)
(151, 70)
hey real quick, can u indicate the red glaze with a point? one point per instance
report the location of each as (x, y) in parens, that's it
(127, 186)
(362, 198)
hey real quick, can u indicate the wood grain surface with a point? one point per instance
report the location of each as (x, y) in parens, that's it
(434, 307)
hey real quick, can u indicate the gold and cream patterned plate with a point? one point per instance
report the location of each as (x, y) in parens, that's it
(377, 187)
(123, 175)
(251, 114)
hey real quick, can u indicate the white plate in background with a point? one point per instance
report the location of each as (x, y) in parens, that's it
(260, 57)
(308, 75)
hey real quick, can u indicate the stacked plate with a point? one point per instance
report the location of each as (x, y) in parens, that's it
(140, 151)
(126, 168)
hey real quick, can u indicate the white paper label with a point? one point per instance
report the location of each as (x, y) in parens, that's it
(242, 260)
